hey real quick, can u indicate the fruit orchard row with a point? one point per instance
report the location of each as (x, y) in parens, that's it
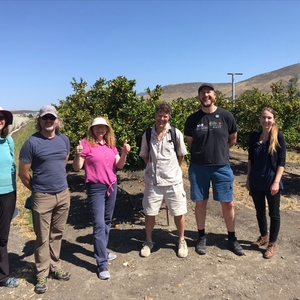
(131, 115)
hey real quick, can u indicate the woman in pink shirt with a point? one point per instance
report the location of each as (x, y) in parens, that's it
(98, 153)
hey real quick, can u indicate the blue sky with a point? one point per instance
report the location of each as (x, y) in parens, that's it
(46, 43)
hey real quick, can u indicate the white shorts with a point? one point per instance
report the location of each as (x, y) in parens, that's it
(174, 196)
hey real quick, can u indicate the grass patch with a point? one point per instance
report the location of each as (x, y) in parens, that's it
(24, 218)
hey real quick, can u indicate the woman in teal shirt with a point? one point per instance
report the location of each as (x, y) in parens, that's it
(7, 195)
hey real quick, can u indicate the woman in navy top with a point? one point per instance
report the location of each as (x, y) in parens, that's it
(266, 161)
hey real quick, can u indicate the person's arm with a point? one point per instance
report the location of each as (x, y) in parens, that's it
(67, 158)
(189, 141)
(24, 174)
(180, 159)
(248, 173)
(232, 139)
(280, 164)
(275, 185)
(78, 161)
(120, 160)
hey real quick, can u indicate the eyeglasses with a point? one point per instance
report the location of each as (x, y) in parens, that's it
(2, 118)
(51, 117)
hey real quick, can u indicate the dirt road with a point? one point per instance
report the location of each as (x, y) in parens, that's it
(218, 275)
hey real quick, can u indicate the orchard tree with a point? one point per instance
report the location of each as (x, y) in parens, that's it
(129, 114)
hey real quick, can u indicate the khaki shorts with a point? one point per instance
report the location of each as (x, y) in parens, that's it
(174, 196)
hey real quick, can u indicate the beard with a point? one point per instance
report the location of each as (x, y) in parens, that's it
(207, 104)
(49, 128)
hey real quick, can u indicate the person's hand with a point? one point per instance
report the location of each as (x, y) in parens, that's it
(79, 148)
(126, 147)
(247, 184)
(274, 188)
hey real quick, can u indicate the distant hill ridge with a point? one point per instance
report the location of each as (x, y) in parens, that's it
(262, 82)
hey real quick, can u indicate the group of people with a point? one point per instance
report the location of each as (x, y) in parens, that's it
(209, 133)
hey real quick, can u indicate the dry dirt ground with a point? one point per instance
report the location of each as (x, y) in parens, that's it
(218, 275)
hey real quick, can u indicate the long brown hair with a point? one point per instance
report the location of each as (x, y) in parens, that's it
(274, 131)
(109, 136)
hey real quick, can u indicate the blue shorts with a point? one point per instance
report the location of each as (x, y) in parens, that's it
(221, 178)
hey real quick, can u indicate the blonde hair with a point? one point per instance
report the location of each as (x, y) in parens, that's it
(109, 136)
(274, 131)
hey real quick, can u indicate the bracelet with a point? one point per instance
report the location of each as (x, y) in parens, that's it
(77, 155)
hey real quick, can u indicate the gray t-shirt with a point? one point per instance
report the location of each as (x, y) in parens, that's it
(47, 158)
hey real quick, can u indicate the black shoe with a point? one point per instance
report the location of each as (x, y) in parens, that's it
(235, 247)
(201, 246)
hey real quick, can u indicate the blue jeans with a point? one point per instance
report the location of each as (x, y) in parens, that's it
(102, 208)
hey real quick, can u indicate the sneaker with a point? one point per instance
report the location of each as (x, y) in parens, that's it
(146, 250)
(11, 282)
(270, 251)
(201, 246)
(235, 247)
(262, 240)
(182, 249)
(111, 256)
(41, 285)
(103, 273)
(61, 275)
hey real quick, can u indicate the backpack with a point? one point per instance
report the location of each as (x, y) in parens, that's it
(173, 137)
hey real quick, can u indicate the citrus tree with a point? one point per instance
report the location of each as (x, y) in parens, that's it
(130, 115)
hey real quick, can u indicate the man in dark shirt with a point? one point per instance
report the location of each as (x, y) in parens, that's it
(210, 132)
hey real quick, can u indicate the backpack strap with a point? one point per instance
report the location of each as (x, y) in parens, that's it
(148, 137)
(173, 138)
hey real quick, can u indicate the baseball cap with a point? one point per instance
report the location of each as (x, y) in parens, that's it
(99, 121)
(8, 116)
(205, 85)
(48, 109)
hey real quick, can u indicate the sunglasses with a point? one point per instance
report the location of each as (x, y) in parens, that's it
(52, 118)
(2, 118)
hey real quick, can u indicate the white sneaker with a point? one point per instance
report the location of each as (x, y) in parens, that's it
(111, 256)
(182, 249)
(146, 250)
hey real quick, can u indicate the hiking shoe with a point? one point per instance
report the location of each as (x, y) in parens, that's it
(111, 256)
(146, 250)
(41, 285)
(235, 247)
(61, 275)
(182, 249)
(201, 246)
(11, 282)
(103, 273)
(270, 251)
(262, 240)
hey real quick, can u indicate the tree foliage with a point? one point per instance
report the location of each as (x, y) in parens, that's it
(130, 115)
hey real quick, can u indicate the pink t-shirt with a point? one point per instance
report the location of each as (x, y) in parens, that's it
(100, 163)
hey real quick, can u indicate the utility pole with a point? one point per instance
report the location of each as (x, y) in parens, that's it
(232, 80)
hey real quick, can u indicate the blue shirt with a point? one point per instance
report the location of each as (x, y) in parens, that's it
(47, 158)
(7, 166)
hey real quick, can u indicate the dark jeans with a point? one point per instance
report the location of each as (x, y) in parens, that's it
(7, 208)
(102, 208)
(274, 213)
